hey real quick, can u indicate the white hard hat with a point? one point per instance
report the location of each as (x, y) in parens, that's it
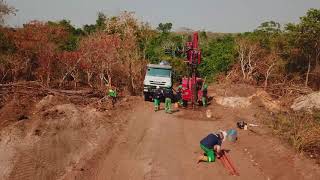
(224, 133)
(158, 87)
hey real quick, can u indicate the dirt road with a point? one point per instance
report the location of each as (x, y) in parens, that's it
(66, 135)
(163, 146)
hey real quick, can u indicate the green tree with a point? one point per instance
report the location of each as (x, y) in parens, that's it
(100, 24)
(265, 34)
(269, 27)
(145, 36)
(89, 29)
(6, 45)
(305, 36)
(73, 36)
(101, 21)
(217, 56)
(164, 27)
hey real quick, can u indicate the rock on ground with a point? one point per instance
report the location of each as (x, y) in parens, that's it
(307, 102)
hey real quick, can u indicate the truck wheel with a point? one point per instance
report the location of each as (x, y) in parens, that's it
(146, 97)
(185, 103)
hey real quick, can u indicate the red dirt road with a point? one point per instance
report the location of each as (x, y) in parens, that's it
(163, 146)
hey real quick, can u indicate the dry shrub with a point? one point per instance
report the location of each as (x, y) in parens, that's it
(299, 129)
(110, 57)
(266, 68)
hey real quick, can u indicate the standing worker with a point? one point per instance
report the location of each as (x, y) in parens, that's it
(205, 95)
(168, 95)
(156, 98)
(179, 95)
(113, 95)
(211, 145)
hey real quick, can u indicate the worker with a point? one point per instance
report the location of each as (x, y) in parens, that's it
(179, 95)
(211, 145)
(205, 95)
(156, 98)
(168, 95)
(113, 95)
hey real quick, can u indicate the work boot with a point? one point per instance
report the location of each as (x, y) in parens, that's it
(202, 159)
(204, 102)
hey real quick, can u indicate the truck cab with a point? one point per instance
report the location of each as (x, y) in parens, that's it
(156, 75)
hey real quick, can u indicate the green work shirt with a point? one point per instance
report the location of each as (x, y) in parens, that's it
(112, 93)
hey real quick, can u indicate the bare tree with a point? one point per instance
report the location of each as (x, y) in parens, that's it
(308, 71)
(269, 64)
(127, 27)
(248, 56)
(70, 62)
(5, 10)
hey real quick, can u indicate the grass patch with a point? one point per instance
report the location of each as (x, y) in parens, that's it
(299, 129)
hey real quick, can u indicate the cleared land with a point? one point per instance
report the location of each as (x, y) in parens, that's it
(68, 135)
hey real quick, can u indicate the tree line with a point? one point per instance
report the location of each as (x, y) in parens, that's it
(57, 54)
(273, 55)
(115, 50)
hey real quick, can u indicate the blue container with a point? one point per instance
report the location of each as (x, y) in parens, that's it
(232, 135)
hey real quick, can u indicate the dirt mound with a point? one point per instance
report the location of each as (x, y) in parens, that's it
(235, 90)
(65, 134)
(242, 96)
(267, 101)
(240, 102)
(307, 102)
(43, 136)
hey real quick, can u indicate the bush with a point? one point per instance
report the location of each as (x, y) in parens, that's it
(299, 129)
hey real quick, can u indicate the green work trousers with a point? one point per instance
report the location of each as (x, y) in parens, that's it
(204, 101)
(210, 153)
(180, 102)
(156, 104)
(168, 105)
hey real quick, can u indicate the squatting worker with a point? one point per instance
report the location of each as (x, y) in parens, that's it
(211, 145)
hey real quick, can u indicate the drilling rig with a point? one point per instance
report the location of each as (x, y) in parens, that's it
(192, 84)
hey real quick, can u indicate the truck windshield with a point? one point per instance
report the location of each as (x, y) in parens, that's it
(159, 72)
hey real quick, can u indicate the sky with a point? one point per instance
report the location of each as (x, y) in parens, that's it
(211, 15)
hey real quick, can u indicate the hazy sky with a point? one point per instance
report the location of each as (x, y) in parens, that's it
(213, 15)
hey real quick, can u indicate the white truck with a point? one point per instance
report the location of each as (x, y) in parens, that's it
(157, 75)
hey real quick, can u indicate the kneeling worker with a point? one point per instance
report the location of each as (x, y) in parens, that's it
(211, 145)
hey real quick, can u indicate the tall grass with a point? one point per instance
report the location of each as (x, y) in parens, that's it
(299, 129)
